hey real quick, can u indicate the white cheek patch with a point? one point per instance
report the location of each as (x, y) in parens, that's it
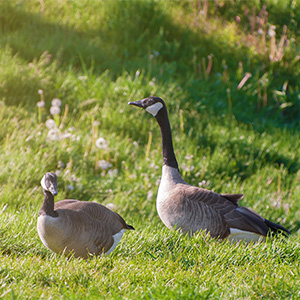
(154, 109)
(43, 183)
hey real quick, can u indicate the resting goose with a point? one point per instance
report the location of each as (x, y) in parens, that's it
(78, 227)
(189, 208)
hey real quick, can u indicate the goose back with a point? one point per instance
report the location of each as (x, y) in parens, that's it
(81, 227)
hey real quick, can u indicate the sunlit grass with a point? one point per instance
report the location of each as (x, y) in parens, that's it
(226, 139)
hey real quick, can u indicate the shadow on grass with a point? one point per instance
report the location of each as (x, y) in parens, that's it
(131, 31)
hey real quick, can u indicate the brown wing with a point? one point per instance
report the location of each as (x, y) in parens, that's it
(230, 214)
(88, 225)
(95, 211)
(244, 218)
(234, 198)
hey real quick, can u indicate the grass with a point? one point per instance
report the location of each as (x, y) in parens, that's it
(226, 139)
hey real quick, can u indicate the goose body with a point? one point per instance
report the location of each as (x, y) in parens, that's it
(78, 227)
(191, 209)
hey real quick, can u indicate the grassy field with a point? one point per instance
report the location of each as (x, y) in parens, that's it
(231, 83)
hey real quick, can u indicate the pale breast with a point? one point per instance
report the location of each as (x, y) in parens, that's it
(188, 208)
(73, 232)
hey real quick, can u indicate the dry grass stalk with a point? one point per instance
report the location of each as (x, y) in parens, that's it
(244, 80)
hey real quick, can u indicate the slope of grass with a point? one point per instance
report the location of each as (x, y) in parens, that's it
(97, 56)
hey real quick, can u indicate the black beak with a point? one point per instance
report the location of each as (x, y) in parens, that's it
(53, 191)
(137, 103)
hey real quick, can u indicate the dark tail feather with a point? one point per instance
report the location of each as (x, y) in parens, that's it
(276, 228)
(129, 227)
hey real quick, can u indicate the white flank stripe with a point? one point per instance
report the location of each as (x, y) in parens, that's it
(117, 237)
(242, 235)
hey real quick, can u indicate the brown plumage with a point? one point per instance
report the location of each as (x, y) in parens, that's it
(78, 227)
(190, 208)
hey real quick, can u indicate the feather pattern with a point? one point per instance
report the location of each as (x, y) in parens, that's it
(190, 208)
(79, 227)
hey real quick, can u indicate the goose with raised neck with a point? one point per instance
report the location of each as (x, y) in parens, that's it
(79, 228)
(190, 209)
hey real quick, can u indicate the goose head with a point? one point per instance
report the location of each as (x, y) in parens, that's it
(152, 105)
(49, 183)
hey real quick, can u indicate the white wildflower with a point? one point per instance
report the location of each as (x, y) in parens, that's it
(101, 143)
(54, 110)
(137, 73)
(66, 135)
(260, 31)
(40, 92)
(50, 123)
(53, 134)
(187, 168)
(96, 123)
(56, 102)
(112, 172)
(189, 156)
(111, 206)
(271, 31)
(40, 104)
(58, 172)
(103, 164)
(202, 183)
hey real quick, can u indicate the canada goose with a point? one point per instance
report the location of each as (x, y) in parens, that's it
(189, 208)
(78, 227)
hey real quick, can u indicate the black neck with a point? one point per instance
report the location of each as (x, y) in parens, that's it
(48, 205)
(169, 158)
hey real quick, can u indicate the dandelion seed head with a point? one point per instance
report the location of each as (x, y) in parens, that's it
(101, 143)
(53, 134)
(58, 172)
(66, 135)
(189, 156)
(104, 165)
(56, 102)
(41, 104)
(260, 31)
(111, 206)
(271, 31)
(112, 172)
(54, 110)
(50, 123)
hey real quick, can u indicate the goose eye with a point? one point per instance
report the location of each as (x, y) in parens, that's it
(154, 108)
